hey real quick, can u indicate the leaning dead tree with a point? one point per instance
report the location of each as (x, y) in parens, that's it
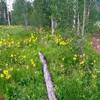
(47, 77)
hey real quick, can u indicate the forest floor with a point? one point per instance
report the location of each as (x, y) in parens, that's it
(96, 42)
(75, 75)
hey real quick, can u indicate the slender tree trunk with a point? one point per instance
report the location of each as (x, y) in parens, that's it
(78, 24)
(52, 26)
(74, 16)
(84, 18)
(78, 18)
(25, 21)
(8, 18)
(25, 16)
(5, 17)
(88, 11)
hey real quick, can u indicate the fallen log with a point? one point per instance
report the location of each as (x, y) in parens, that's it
(47, 78)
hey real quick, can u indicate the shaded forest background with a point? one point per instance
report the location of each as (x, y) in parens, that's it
(80, 16)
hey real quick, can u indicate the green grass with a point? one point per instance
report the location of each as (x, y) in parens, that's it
(72, 80)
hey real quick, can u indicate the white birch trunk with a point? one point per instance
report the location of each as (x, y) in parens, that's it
(74, 16)
(8, 18)
(52, 26)
(25, 16)
(78, 24)
(25, 20)
(88, 11)
(84, 18)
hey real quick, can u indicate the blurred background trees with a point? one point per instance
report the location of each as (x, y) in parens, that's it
(80, 16)
(3, 12)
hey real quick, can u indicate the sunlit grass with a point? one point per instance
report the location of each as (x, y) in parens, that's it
(75, 75)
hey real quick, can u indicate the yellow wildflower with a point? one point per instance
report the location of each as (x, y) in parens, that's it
(59, 40)
(30, 40)
(12, 55)
(24, 56)
(1, 42)
(8, 76)
(94, 61)
(75, 55)
(82, 62)
(62, 43)
(32, 62)
(5, 72)
(74, 58)
(83, 54)
(62, 58)
(27, 67)
(93, 76)
(1, 75)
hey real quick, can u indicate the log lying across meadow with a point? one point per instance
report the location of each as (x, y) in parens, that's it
(47, 77)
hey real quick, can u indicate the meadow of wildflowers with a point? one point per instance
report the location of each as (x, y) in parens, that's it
(76, 75)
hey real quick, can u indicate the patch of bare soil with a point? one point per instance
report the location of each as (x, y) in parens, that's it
(96, 42)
